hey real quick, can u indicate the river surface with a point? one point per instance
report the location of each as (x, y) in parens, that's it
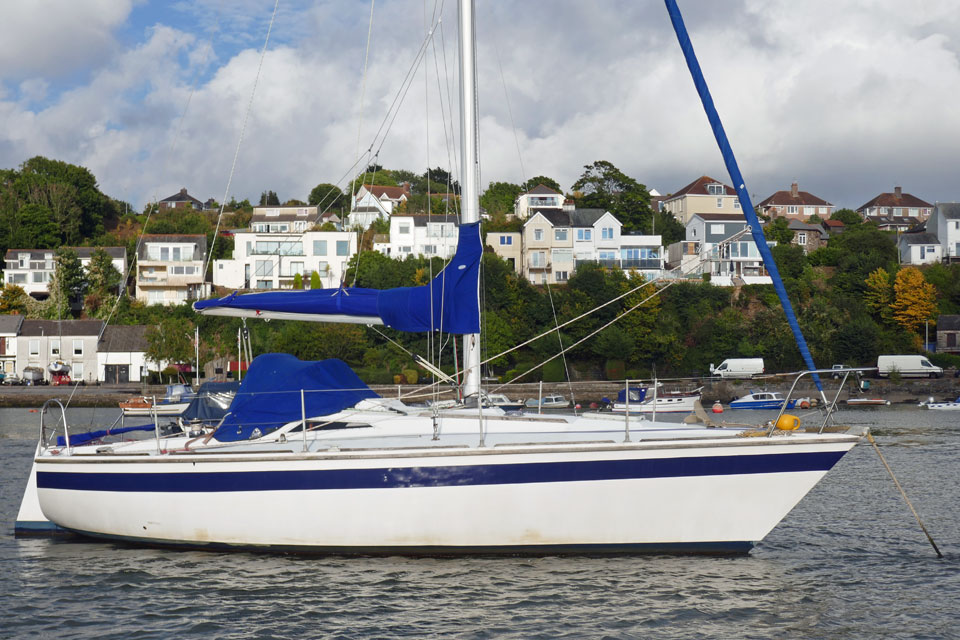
(849, 562)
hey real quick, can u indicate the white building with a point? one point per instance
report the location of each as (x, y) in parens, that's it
(703, 195)
(420, 235)
(284, 219)
(540, 197)
(74, 342)
(272, 260)
(945, 223)
(122, 354)
(32, 269)
(170, 268)
(9, 330)
(919, 248)
(373, 202)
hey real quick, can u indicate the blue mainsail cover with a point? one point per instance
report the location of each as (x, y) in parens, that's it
(450, 303)
(269, 396)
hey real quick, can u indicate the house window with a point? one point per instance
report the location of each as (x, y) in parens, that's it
(606, 233)
(538, 258)
(607, 255)
(155, 297)
(319, 247)
(538, 234)
(506, 240)
(35, 348)
(792, 208)
(801, 238)
(716, 228)
(296, 267)
(77, 370)
(584, 234)
(430, 249)
(561, 276)
(736, 203)
(78, 348)
(263, 268)
(560, 235)
(55, 347)
(164, 253)
(715, 189)
(562, 255)
(176, 254)
(719, 203)
(264, 284)
(343, 247)
(403, 228)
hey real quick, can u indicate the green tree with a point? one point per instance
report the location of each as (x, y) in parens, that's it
(328, 197)
(13, 300)
(297, 281)
(779, 230)
(170, 341)
(269, 199)
(848, 217)
(72, 278)
(315, 282)
(499, 198)
(603, 186)
(533, 182)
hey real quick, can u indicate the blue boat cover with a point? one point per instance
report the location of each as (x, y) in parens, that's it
(269, 395)
(637, 394)
(211, 402)
(450, 303)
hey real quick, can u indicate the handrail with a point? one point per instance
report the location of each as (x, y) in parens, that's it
(63, 416)
(832, 406)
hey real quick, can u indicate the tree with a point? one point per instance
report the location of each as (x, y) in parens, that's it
(13, 300)
(315, 282)
(102, 276)
(603, 186)
(848, 217)
(297, 281)
(878, 296)
(72, 279)
(915, 299)
(269, 198)
(328, 197)
(499, 197)
(535, 181)
(170, 341)
(779, 230)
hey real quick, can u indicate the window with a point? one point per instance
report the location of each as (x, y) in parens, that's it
(736, 203)
(561, 276)
(538, 234)
(562, 255)
(39, 276)
(715, 189)
(538, 259)
(606, 233)
(343, 247)
(584, 234)
(296, 267)
(716, 228)
(607, 255)
(164, 253)
(264, 284)
(719, 203)
(430, 249)
(76, 370)
(55, 347)
(403, 228)
(35, 348)
(506, 240)
(801, 238)
(263, 268)
(560, 235)
(319, 247)
(176, 254)
(155, 296)
(17, 278)
(78, 347)
(791, 208)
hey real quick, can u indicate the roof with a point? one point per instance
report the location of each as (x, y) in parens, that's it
(786, 198)
(541, 189)
(892, 200)
(898, 221)
(199, 239)
(833, 224)
(799, 225)
(393, 193)
(699, 188)
(182, 196)
(10, 324)
(948, 323)
(283, 217)
(61, 327)
(919, 238)
(949, 210)
(577, 218)
(123, 338)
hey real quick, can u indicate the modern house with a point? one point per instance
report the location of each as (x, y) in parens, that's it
(181, 200)
(509, 246)
(703, 195)
(32, 269)
(540, 197)
(727, 249)
(373, 202)
(795, 205)
(284, 219)
(896, 203)
(9, 330)
(170, 268)
(122, 354)
(273, 260)
(74, 342)
(422, 235)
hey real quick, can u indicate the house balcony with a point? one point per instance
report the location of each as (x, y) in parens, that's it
(639, 263)
(539, 267)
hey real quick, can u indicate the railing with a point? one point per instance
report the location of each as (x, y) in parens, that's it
(629, 263)
(43, 428)
(832, 406)
(540, 267)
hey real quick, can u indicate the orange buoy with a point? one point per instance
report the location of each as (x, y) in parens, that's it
(32, 411)
(805, 404)
(717, 407)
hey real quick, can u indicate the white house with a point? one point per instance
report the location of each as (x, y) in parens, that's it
(170, 268)
(272, 260)
(122, 354)
(919, 248)
(9, 330)
(32, 269)
(896, 204)
(74, 342)
(420, 235)
(373, 202)
(540, 197)
(295, 219)
(945, 223)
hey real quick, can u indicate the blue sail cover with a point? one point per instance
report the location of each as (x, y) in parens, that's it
(734, 170)
(450, 303)
(269, 396)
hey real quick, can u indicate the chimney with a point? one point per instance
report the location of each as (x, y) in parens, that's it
(183, 191)
(794, 190)
(897, 193)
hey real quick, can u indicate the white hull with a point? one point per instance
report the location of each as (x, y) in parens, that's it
(943, 406)
(686, 494)
(170, 409)
(666, 404)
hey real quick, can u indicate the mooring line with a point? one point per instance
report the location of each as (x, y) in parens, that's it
(903, 493)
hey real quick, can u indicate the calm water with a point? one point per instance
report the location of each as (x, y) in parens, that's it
(848, 562)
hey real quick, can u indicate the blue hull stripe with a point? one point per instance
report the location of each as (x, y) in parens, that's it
(449, 476)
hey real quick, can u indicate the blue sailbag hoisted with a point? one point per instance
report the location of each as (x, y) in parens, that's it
(450, 303)
(745, 204)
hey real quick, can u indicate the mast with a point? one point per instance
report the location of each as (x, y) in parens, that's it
(469, 173)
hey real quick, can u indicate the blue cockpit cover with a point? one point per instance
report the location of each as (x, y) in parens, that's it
(211, 402)
(450, 303)
(269, 395)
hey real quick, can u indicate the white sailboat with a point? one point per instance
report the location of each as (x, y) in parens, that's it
(309, 459)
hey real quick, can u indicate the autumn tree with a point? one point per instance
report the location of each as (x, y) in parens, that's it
(878, 296)
(13, 300)
(915, 299)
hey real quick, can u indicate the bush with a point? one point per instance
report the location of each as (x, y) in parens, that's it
(411, 376)
(945, 360)
(554, 371)
(615, 370)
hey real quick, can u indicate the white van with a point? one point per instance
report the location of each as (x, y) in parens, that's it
(912, 366)
(738, 368)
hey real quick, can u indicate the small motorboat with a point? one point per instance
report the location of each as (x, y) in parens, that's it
(552, 401)
(942, 406)
(867, 402)
(762, 400)
(173, 403)
(642, 401)
(505, 403)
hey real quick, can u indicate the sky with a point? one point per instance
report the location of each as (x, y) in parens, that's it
(848, 99)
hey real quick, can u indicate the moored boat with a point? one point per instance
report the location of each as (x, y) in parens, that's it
(174, 402)
(643, 400)
(941, 406)
(762, 400)
(550, 401)
(867, 402)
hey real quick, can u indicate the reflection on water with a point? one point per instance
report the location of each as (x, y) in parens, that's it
(848, 562)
